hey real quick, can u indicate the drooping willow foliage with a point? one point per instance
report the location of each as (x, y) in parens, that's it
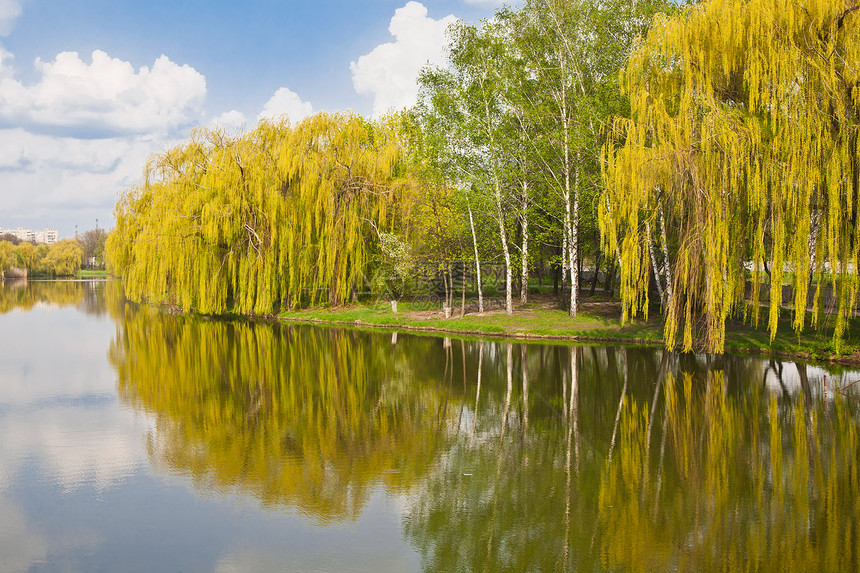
(744, 131)
(252, 223)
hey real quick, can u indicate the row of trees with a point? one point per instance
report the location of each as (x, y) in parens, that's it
(706, 153)
(497, 163)
(513, 124)
(62, 258)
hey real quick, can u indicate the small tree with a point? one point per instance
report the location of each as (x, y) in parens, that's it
(93, 243)
(395, 269)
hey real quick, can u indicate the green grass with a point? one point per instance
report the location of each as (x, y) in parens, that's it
(593, 323)
(529, 322)
(88, 274)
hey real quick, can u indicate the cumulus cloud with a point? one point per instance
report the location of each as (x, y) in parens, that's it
(104, 97)
(230, 121)
(6, 58)
(287, 102)
(9, 12)
(389, 72)
(47, 180)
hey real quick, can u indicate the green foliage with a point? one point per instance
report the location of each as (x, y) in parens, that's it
(59, 259)
(93, 243)
(63, 258)
(514, 120)
(7, 255)
(396, 265)
(271, 218)
(745, 127)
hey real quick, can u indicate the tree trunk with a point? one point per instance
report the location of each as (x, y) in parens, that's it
(573, 218)
(463, 293)
(654, 262)
(524, 278)
(451, 283)
(445, 306)
(477, 261)
(503, 236)
(667, 268)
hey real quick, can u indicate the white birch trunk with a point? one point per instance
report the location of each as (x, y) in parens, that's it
(571, 214)
(667, 268)
(477, 261)
(509, 304)
(657, 271)
(524, 288)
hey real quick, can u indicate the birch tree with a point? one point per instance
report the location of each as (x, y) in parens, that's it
(468, 91)
(567, 58)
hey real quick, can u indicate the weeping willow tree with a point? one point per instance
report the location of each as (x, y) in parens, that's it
(268, 219)
(744, 133)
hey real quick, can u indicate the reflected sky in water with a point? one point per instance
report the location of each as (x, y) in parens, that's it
(136, 440)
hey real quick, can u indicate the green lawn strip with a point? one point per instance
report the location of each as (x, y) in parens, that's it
(811, 343)
(525, 323)
(543, 323)
(88, 274)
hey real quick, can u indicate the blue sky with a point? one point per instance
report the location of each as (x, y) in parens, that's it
(90, 88)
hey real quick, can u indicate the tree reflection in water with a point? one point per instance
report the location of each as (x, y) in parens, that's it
(300, 417)
(506, 457)
(89, 296)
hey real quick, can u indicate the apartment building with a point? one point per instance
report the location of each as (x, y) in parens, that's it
(41, 236)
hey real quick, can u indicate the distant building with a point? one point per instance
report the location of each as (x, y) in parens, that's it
(43, 236)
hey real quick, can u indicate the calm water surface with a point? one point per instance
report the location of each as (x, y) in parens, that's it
(133, 440)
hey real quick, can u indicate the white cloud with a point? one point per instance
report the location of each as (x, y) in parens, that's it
(231, 121)
(106, 96)
(286, 102)
(6, 58)
(47, 180)
(389, 72)
(9, 12)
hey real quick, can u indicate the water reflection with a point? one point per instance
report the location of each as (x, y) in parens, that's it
(710, 477)
(90, 296)
(504, 456)
(62, 434)
(302, 418)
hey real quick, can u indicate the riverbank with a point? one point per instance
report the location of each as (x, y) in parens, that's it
(597, 321)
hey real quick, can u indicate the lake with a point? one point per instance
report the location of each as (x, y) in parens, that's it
(136, 440)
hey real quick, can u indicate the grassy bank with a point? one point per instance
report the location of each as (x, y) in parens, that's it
(597, 321)
(88, 274)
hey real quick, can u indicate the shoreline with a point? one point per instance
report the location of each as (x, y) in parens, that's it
(587, 327)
